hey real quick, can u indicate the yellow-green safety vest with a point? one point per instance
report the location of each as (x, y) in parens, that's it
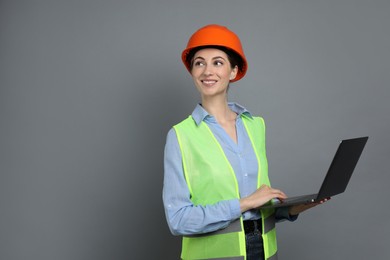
(210, 179)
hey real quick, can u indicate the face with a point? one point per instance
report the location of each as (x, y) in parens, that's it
(212, 72)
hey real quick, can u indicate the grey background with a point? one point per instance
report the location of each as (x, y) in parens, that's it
(89, 89)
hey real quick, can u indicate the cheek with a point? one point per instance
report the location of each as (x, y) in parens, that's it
(228, 75)
(195, 72)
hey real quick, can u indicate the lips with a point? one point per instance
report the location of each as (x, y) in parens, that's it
(209, 82)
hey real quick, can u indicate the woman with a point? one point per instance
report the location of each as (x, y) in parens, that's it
(215, 166)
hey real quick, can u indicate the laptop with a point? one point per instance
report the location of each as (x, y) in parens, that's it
(337, 177)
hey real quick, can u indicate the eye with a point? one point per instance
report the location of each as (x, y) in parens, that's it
(218, 63)
(199, 63)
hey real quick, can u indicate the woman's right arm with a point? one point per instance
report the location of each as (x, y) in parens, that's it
(260, 197)
(183, 217)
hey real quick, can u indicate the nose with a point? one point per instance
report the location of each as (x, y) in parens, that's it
(208, 71)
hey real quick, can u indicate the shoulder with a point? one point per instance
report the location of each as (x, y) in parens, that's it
(253, 119)
(188, 122)
(171, 143)
(172, 133)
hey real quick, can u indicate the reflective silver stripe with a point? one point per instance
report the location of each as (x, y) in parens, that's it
(274, 257)
(269, 223)
(235, 226)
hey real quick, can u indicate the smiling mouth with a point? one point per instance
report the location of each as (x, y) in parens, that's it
(208, 82)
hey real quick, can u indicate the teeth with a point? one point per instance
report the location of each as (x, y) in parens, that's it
(209, 81)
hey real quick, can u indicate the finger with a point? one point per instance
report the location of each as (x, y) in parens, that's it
(280, 195)
(324, 200)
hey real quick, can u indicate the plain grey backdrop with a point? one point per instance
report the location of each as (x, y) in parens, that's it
(89, 90)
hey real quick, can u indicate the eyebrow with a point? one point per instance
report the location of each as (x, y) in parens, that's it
(214, 58)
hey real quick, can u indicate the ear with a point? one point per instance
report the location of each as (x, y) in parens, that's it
(233, 73)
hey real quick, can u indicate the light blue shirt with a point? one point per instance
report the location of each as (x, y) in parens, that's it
(183, 217)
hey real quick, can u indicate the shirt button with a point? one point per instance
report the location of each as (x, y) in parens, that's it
(246, 174)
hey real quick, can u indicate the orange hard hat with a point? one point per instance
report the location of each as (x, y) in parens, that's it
(216, 35)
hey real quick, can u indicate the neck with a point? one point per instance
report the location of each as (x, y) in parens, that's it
(219, 109)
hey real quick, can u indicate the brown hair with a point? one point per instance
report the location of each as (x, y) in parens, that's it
(233, 57)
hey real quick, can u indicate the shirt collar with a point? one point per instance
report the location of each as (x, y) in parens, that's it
(200, 114)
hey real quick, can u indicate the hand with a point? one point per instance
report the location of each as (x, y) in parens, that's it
(297, 209)
(261, 196)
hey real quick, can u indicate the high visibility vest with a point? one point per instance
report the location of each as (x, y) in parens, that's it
(210, 179)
